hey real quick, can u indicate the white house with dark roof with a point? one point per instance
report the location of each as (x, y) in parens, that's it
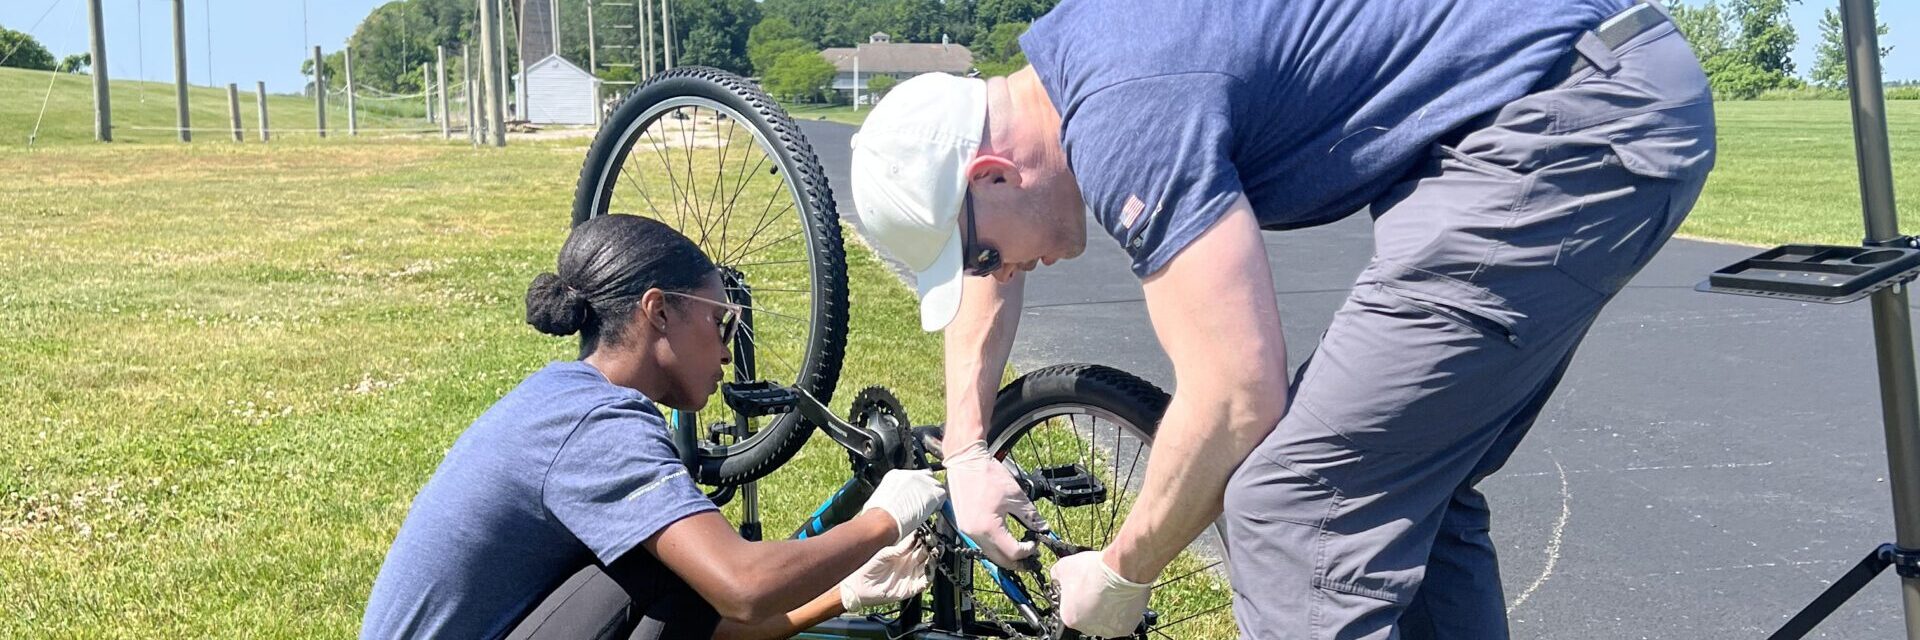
(881, 56)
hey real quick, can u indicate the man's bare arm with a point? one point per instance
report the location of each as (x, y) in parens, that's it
(1214, 310)
(977, 344)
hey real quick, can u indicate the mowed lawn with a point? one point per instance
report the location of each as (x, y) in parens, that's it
(1786, 174)
(146, 113)
(230, 367)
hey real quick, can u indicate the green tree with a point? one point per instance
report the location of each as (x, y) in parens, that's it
(27, 52)
(769, 53)
(916, 20)
(990, 13)
(1830, 62)
(858, 22)
(1001, 44)
(772, 28)
(1765, 35)
(799, 75)
(1745, 48)
(1705, 28)
(880, 85)
(714, 32)
(77, 63)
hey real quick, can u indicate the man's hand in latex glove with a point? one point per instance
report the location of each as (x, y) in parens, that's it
(984, 494)
(909, 496)
(895, 573)
(1095, 600)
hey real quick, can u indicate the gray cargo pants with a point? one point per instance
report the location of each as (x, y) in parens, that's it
(1358, 516)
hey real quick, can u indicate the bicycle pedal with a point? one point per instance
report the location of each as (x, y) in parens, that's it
(1071, 486)
(759, 398)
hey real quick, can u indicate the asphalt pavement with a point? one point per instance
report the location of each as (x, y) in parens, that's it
(1709, 464)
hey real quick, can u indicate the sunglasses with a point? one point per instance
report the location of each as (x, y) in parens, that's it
(729, 321)
(978, 260)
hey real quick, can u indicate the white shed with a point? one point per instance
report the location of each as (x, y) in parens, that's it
(556, 92)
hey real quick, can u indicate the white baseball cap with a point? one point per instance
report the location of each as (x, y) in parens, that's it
(910, 179)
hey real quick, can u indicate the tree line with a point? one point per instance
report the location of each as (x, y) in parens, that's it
(773, 39)
(1745, 46)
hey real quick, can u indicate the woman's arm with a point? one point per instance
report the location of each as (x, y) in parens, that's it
(821, 609)
(752, 581)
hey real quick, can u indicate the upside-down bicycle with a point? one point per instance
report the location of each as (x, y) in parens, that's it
(708, 152)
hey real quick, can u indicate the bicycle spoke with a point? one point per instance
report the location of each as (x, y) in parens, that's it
(1186, 575)
(1191, 616)
(719, 175)
(764, 221)
(679, 201)
(641, 187)
(789, 236)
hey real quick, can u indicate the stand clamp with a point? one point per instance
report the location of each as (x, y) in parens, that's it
(1896, 242)
(1905, 562)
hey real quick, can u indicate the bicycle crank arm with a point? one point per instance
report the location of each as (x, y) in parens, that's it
(861, 442)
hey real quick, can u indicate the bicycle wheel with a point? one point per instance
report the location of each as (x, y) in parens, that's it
(709, 153)
(1067, 424)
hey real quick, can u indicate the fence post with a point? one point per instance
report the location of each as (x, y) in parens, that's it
(353, 114)
(473, 108)
(426, 88)
(320, 92)
(260, 96)
(233, 110)
(440, 82)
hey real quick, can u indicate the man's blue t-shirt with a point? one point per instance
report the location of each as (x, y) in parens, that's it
(565, 470)
(1171, 109)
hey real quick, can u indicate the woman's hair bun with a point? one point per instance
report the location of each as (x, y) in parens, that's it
(555, 308)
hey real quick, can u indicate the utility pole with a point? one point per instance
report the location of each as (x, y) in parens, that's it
(666, 33)
(645, 7)
(440, 76)
(353, 113)
(499, 84)
(489, 69)
(233, 111)
(97, 47)
(593, 44)
(320, 94)
(260, 98)
(519, 82)
(180, 68)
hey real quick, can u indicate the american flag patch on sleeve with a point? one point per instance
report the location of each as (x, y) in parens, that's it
(1131, 210)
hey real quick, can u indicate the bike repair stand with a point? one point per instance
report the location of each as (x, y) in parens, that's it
(1882, 267)
(686, 425)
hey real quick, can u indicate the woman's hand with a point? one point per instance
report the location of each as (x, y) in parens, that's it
(909, 497)
(895, 573)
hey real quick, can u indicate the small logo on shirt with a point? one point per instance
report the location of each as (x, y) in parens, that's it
(653, 485)
(1131, 210)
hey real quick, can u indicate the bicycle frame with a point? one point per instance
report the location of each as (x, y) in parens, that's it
(874, 453)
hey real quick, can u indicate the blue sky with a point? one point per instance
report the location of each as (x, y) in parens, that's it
(265, 39)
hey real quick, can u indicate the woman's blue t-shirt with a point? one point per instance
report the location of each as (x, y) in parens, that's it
(565, 470)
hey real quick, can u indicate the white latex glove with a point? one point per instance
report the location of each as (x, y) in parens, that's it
(895, 573)
(1096, 601)
(909, 496)
(984, 494)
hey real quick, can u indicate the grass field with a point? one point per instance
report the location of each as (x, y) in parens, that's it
(1786, 173)
(234, 364)
(144, 112)
(837, 113)
(231, 366)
